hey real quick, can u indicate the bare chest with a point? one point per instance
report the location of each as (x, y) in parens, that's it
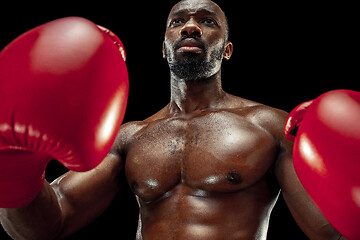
(214, 152)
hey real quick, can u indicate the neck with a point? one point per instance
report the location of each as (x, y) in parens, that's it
(189, 96)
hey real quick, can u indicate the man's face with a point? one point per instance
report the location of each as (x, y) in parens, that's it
(195, 39)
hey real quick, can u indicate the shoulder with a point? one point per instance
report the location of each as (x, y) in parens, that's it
(125, 135)
(130, 130)
(271, 119)
(268, 118)
(265, 116)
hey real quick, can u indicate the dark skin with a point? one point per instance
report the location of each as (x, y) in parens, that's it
(209, 165)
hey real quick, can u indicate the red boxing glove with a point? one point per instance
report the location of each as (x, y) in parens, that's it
(294, 120)
(63, 94)
(327, 156)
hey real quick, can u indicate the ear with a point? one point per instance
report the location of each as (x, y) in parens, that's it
(228, 50)
(163, 50)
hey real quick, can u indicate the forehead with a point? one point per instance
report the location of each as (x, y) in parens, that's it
(195, 6)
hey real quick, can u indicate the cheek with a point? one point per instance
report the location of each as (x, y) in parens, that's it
(168, 52)
(166, 47)
(216, 38)
(171, 35)
(217, 46)
(169, 42)
(213, 38)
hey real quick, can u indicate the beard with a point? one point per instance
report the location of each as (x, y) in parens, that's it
(192, 67)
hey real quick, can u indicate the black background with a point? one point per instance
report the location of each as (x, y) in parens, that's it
(284, 54)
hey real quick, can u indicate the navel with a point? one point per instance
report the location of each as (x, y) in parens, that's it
(234, 177)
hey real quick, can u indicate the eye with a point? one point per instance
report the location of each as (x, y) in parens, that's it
(209, 21)
(176, 22)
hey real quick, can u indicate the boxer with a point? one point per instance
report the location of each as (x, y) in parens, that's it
(209, 165)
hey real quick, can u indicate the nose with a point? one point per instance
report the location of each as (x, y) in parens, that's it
(191, 28)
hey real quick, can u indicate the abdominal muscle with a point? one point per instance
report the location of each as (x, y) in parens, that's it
(185, 213)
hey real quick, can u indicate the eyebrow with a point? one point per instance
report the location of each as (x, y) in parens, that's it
(202, 10)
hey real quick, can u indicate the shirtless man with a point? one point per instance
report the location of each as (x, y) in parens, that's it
(209, 165)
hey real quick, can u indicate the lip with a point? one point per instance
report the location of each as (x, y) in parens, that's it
(190, 45)
(190, 49)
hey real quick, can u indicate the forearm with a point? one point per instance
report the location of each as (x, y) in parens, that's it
(311, 221)
(41, 219)
(328, 233)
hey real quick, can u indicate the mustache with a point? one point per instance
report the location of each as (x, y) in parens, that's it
(196, 38)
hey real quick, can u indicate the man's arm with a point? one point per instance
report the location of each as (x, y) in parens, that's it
(66, 205)
(303, 209)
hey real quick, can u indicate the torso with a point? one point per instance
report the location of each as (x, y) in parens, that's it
(204, 175)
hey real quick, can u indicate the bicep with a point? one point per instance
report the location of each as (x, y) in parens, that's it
(85, 196)
(300, 204)
(303, 209)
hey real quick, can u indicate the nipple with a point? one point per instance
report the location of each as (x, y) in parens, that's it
(234, 177)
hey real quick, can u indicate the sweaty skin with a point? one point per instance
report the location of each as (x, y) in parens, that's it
(203, 167)
(205, 174)
(209, 165)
